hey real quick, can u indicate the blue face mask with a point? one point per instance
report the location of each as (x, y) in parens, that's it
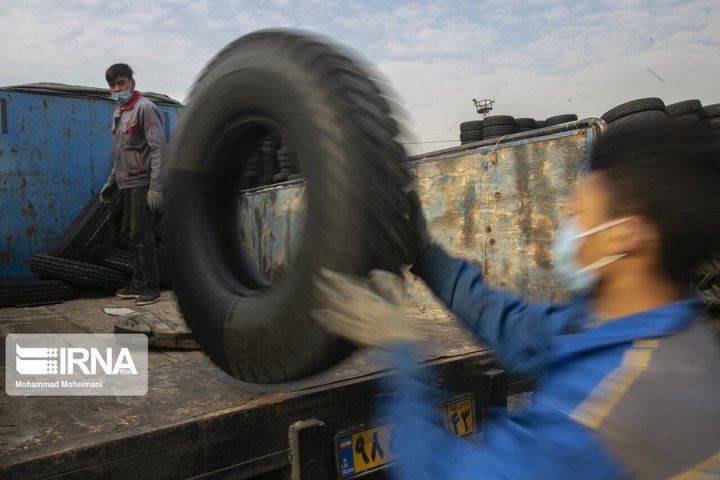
(579, 280)
(122, 97)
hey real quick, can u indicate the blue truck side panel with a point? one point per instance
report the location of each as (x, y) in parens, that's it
(55, 153)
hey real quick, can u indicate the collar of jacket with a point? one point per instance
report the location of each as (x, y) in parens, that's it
(658, 322)
(129, 105)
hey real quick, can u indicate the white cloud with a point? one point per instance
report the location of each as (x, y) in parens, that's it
(537, 58)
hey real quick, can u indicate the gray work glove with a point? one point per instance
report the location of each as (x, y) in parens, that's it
(155, 200)
(364, 311)
(416, 237)
(106, 192)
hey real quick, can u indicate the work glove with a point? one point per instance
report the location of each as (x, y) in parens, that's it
(416, 237)
(364, 311)
(155, 200)
(106, 192)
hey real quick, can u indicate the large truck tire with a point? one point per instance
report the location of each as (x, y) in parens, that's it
(33, 291)
(343, 137)
(78, 273)
(651, 104)
(88, 227)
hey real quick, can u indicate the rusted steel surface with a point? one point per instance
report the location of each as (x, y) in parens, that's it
(496, 204)
(271, 226)
(499, 207)
(55, 153)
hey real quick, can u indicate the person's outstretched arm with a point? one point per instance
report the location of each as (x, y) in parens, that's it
(519, 332)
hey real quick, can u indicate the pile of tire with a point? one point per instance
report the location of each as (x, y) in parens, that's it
(634, 111)
(525, 125)
(499, 126)
(690, 110)
(559, 119)
(90, 256)
(711, 116)
(273, 163)
(31, 291)
(686, 111)
(471, 132)
(64, 272)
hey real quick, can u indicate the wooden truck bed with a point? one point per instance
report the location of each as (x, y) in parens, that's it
(196, 421)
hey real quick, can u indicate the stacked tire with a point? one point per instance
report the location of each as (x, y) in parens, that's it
(471, 132)
(560, 119)
(525, 125)
(711, 118)
(686, 111)
(89, 256)
(30, 291)
(88, 227)
(634, 111)
(65, 271)
(498, 126)
(287, 163)
(79, 272)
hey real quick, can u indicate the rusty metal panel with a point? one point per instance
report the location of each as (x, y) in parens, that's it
(55, 153)
(271, 226)
(497, 205)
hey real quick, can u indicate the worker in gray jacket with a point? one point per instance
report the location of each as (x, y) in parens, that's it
(140, 152)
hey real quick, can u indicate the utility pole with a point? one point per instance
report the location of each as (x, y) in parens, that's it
(483, 107)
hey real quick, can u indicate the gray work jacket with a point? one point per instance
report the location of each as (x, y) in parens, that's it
(140, 149)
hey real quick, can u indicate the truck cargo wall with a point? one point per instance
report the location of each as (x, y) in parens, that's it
(496, 204)
(55, 153)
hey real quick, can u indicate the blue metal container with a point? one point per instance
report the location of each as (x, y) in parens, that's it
(55, 154)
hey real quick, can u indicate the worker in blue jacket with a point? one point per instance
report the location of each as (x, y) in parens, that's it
(628, 370)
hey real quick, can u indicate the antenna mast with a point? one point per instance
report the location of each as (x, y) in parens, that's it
(483, 107)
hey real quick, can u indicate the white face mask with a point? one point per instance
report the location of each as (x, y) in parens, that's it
(566, 250)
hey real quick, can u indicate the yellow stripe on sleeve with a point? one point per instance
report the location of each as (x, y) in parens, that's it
(707, 470)
(606, 395)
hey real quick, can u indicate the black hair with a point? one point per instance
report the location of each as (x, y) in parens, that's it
(118, 70)
(669, 172)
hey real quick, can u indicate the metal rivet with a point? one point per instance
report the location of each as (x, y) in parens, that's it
(497, 194)
(492, 241)
(488, 229)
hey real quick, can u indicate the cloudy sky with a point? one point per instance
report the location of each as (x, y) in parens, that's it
(537, 58)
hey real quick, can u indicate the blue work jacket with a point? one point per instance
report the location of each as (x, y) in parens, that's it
(591, 377)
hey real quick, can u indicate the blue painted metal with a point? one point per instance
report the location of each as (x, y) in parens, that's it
(497, 204)
(56, 153)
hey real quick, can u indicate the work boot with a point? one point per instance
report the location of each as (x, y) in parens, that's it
(129, 291)
(147, 297)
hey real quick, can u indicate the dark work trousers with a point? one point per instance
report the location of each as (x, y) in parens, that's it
(137, 232)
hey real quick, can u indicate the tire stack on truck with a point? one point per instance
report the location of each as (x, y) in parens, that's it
(471, 131)
(635, 110)
(90, 256)
(648, 108)
(499, 126)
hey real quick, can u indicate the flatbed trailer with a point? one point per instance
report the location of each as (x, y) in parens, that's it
(196, 421)
(496, 203)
